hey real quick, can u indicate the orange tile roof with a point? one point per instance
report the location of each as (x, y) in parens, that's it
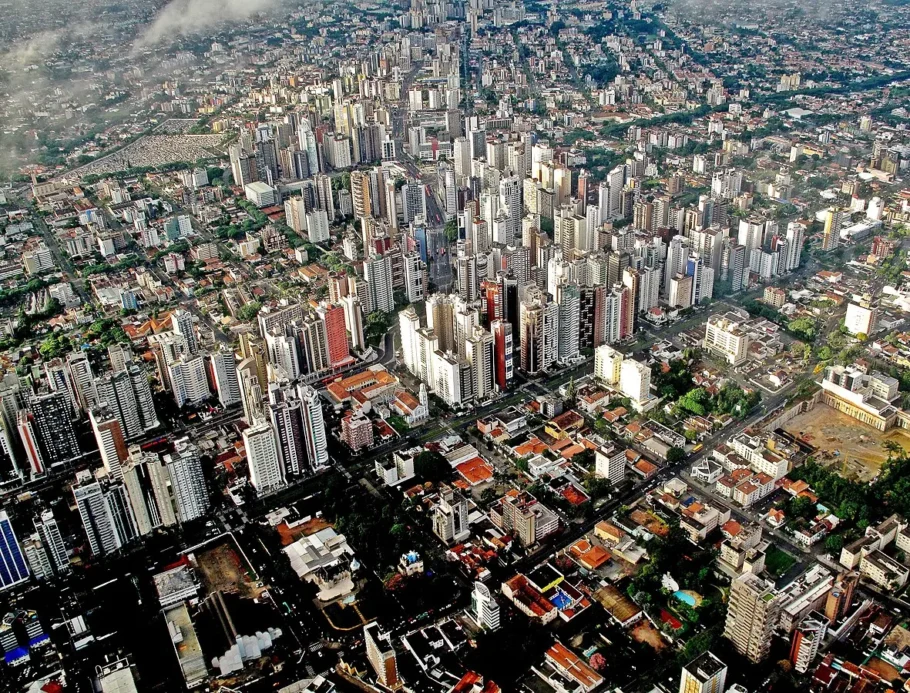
(475, 471)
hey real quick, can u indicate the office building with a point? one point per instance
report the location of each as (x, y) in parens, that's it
(13, 567)
(484, 608)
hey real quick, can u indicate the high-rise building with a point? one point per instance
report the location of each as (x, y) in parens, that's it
(727, 339)
(333, 318)
(129, 398)
(353, 321)
(752, 614)
(450, 517)
(286, 416)
(110, 440)
(485, 609)
(25, 423)
(224, 368)
(182, 323)
(266, 472)
(834, 221)
(377, 271)
(381, 656)
(106, 515)
(704, 674)
(184, 467)
(189, 380)
(13, 568)
(52, 541)
(567, 298)
(807, 638)
(503, 353)
(313, 427)
(82, 379)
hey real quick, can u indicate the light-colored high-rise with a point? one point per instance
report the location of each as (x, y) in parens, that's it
(752, 614)
(704, 674)
(266, 472)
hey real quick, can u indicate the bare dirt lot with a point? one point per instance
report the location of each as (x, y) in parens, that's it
(842, 441)
(644, 632)
(224, 570)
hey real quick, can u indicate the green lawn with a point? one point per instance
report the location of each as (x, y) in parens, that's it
(778, 562)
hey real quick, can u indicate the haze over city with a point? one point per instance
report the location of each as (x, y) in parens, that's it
(454, 346)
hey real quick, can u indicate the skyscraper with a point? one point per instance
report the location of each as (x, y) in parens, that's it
(13, 568)
(109, 437)
(266, 473)
(190, 496)
(182, 323)
(224, 368)
(286, 416)
(313, 427)
(752, 614)
(189, 380)
(52, 540)
(106, 515)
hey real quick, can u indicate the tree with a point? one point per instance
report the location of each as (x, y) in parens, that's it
(249, 311)
(675, 454)
(432, 466)
(451, 230)
(834, 544)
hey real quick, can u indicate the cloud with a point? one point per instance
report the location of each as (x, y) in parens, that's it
(186, 17)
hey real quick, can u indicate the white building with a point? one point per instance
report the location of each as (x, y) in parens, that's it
(261, 194)
(266, 472)
(726, 339)
(860, 319)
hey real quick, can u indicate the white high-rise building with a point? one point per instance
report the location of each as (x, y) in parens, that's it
(189, 380)
(377, 271)
(317, 226)
(795, 239)
(313, 427)
(484, 608)
(182, 322)
(266, 472)
(191, 498)
(635, 382)
(607, 365)
(224, 366)
(414, 276)
(52, 541)
(610, 464)
(510, 201)
(567, 298)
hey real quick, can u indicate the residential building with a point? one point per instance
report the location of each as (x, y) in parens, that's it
(704, 674)
(752, 614)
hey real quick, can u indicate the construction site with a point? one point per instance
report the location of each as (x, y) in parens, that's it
(856, 449)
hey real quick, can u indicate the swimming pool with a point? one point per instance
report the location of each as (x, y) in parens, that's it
(686, 598)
